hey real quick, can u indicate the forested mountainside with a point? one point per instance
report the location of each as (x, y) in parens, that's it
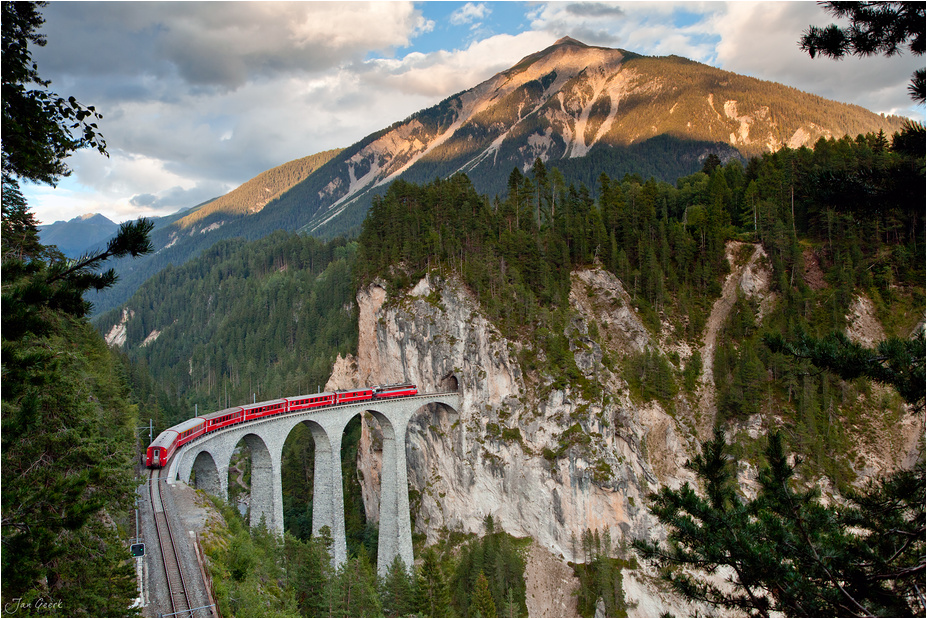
(578, 327)
(246, 319)
(585, 110)
(258, 192)
(184, 235)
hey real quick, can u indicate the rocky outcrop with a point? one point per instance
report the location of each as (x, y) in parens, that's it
(547, 464)
(862, 325)
(117, 335)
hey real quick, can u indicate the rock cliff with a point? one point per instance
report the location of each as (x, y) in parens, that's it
(489, 457)
(545, 463)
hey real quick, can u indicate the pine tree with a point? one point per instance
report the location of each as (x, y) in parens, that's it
(787, 551)
(67, 423)
(895, 362)
(397, 591)
(432, 598)
(37, 133)
(482, 604)
(875, 28)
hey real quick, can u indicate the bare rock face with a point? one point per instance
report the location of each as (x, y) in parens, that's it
(117, 335)
(862, 325)
(544, 463)
(599, 296)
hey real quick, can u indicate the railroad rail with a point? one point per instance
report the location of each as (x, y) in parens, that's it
(173, 571)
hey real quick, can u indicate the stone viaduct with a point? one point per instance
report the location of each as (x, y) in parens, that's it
(210, 455)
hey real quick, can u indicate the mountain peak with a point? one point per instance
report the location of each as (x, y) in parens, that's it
(570, 41)
(94, 217)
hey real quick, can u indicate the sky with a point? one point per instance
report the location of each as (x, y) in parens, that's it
(198, 98)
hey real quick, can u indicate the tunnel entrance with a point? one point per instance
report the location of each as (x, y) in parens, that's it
(449, 383)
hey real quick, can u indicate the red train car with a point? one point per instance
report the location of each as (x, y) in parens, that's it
(163, 447)
(223, 418)
(399, 390)
(264, 409)
(304, 402)
(356, 395)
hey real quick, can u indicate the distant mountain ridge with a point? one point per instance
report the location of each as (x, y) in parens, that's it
(79, 235)
(581, 109)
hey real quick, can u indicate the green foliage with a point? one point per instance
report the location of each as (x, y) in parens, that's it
(599, 577)
(895, 362)
(38, 125)
(356, 593)
(68, 446)
(787, 552)
(258, 309)
(397, 590)
(650, 376)
(68, 424)
(247, 569)
(297, 472)
(68, 450)
(482, 604)
(692, 371)
(432, 598)
(361, 536)
(497, 560)
(309, 572)
(875, 28)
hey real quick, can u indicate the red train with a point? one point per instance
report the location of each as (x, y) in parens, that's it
(163, 447)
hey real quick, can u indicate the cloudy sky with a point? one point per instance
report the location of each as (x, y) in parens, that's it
(197, 98)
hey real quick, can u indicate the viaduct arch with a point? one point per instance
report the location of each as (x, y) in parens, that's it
(210, 456)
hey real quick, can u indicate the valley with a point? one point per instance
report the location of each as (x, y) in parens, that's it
(617, 335)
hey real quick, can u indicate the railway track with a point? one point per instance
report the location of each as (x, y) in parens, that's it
(173, 572)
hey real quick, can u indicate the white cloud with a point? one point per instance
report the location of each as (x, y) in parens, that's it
(221, 44)
(772, 53)
(469, 13)
(443, 73)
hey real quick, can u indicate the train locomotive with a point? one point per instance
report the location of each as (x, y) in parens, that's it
(166, 444)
